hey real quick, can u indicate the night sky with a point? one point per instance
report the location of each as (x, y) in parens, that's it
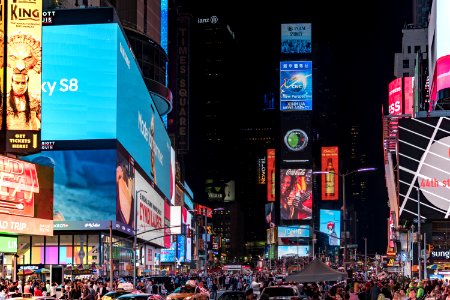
(362, 40)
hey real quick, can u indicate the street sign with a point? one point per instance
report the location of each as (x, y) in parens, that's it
(352, 246)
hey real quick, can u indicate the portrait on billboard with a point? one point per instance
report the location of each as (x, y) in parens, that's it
(125, 187)
(296, 194)
(23, 98)
(330, 224)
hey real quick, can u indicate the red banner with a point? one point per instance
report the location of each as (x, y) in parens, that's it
(330, 180)
(270, 175)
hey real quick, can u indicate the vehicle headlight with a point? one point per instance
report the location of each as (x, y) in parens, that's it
(106, 298)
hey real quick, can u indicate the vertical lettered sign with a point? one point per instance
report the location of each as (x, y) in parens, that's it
(23, 75)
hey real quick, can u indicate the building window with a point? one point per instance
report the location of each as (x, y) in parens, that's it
(409, 49)
(66, 249)
(406, 63)
(93, 255)
(406, 74)
(416, 49)
(23, 243)
(51, 250)
(37, 250)
(80, 247)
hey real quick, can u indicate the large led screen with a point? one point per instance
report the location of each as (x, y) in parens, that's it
(296, 38)
(270, 175)
(168, 254)
(292, 251)
(395, 97)
(295, 85)
(79, 82)
(84, 183)
(330, 224)
(150, 211)
(140, 129)
(330, 168)
(296, 194)
(80, 104)
(293, 235)
(424, 166)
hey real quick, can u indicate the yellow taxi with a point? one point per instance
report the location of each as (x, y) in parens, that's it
(190, 291)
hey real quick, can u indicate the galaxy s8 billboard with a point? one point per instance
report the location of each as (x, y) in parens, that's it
(93, 90)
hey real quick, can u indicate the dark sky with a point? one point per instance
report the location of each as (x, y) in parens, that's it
(362, 38)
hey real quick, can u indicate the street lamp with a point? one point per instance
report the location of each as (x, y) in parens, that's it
(344, 202)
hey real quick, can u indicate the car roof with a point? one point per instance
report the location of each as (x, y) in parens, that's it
(131, 295)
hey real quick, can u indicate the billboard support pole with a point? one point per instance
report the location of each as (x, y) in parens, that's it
(110, 258)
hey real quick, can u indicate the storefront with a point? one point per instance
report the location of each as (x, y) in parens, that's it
(72, 255)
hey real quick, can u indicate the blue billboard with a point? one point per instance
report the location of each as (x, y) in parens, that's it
(330, 224)
(92, 89)
(296, 38)
(295, 85)
(181, 248)
(294, 231)
(84, 184)
(168, 254)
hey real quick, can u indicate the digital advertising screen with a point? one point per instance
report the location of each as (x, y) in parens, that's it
(293, 235)
(296, 197)
(150, 211)
(140, 129)
(181, 248)
(292, 251)
(296, 85)
(270, 175)
(270, 215)
(168, 254)
(423, 151)
(296, 144)
(26, 206)
(395, 97)
(296, 38)
(78, 103)
(84, 184)
(23, 75)
(330, 224)
(330, 180)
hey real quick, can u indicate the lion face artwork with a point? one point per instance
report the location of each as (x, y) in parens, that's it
(24, 54)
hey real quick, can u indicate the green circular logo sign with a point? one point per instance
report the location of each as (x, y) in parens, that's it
(296, 140)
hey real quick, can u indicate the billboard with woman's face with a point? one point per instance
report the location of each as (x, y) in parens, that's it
(295, 194)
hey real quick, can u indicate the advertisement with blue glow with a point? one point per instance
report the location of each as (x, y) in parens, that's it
(292, 251)
(79, 82)
(181, 248)
(92, 89)
(295, 85)
(139, 127)
(84, 184)
(330, 224)
(293, 231)
(168, 254)
(296, 38)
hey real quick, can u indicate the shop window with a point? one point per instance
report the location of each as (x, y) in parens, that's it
(80, 247)
(37, 250)
(93, 256)
(66, 249)
(24, 251)
(51, 250)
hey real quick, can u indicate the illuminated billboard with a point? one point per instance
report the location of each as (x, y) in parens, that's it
(294, 231)
(423, 167)
(8, 244)
(401, 99)
(295, 85)
(292, 251)
(270, 215)
(168, 254)
(296, 146)
(175, 219)
(296, 38)
(330, 166)
(261, 173)
(84, 183)
(296, 194)
(270, 175)
(181, 248)
(26, 206)
(23, 76)
(80, 105)
(330, 224)
(150, 211)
